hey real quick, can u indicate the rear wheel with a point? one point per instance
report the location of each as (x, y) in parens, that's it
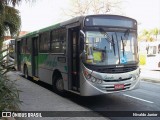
(58, 85)
(25, 72)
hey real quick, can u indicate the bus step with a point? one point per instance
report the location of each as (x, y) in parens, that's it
(76, 92)
(75, 89)
(35, 78)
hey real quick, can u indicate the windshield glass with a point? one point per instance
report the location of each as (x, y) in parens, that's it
(110, 48)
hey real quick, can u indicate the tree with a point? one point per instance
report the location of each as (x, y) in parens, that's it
(155, 32)
(84, 7)
(148, 35)
(12, 2)
(9, 21)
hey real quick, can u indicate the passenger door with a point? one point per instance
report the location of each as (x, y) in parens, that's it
(74, 58)
(34, 57)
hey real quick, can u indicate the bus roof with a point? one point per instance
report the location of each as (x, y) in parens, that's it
(58, 25)
(65, 23)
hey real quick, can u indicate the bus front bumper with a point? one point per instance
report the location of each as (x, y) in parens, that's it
(91, 89)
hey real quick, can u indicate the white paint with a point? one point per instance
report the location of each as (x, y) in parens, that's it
(138, 98)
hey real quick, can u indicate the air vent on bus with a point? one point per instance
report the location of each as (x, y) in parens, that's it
(116, 70)
(118, 80)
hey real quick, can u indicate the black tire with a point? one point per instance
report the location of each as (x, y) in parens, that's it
(58, 85)
(25, 72)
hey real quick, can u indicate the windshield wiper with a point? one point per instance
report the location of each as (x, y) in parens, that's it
(126, 33)
(108, 38)
(122, 45)
(113, 46)
(102, 31)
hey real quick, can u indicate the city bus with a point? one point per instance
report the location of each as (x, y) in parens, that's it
(153, 55)
(9, 46)
(87, 55)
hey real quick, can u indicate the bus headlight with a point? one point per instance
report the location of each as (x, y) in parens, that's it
(91, 78)
(99, 81)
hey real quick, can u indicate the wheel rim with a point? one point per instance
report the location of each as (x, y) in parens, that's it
(59, 84)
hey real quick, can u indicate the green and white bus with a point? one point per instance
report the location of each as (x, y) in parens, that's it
(88, 55)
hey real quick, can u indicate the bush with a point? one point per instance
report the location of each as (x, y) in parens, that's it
(9, 94)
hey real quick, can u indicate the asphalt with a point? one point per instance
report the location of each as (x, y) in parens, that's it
(34, 100)
(150, 75)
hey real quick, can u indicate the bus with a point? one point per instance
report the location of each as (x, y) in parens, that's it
(153, 55)
(9, 46)
(87, 55)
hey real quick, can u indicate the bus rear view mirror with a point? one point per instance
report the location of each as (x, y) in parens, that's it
(81, 31)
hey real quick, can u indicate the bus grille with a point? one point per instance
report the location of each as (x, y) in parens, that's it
(111, 88)
(117, 70)
(118, 80)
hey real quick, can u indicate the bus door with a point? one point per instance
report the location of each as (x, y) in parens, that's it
(34, 57)
(74, 58)
(18, 56)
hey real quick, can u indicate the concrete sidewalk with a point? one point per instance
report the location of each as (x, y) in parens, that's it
(37, 98)
(148, 74)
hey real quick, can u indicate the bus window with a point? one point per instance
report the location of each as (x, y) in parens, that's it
(58, 41)
(44, 42)
(28, 45)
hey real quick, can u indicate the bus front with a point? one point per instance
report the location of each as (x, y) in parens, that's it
(110, 57)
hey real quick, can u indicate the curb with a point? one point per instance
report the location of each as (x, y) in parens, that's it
(151, 80)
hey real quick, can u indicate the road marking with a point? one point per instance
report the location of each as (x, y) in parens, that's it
(138, 98)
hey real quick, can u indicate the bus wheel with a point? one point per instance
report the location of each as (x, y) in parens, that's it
(58, 85)
(25, 72)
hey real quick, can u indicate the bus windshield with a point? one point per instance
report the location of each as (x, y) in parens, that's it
(110, 48)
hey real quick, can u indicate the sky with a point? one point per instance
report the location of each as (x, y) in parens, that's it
(43, 13)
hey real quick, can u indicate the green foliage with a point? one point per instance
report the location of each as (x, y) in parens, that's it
(9, 21)
(9, 94)
(149, 35)
(13, 2)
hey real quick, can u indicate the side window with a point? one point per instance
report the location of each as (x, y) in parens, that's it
(28, 45)
(44, 44)
(58, 42)
(23, 43)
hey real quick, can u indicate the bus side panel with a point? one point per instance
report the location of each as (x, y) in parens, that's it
(48, 63)
(44, 72)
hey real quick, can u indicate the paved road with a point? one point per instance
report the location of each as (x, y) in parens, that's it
(146, 98)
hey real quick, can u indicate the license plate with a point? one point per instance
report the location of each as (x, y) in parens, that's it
(118, 86)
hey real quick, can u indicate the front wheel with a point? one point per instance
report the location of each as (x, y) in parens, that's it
(58, 85)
